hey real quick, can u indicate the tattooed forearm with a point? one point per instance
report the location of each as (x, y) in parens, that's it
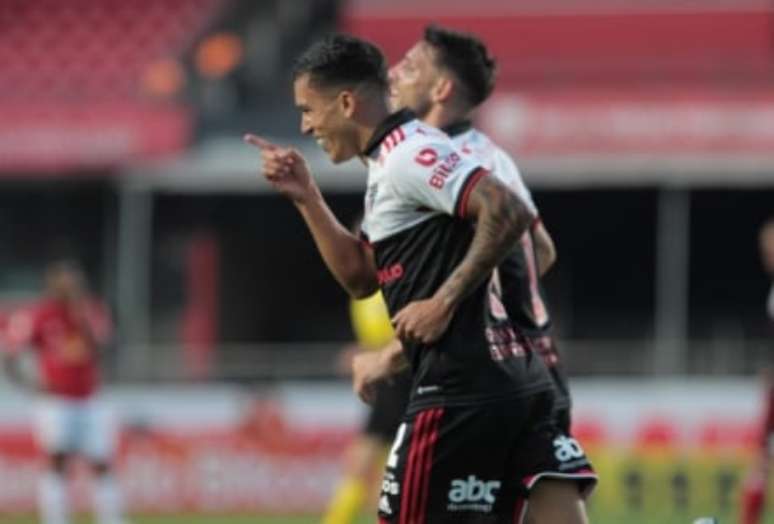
(501, 220)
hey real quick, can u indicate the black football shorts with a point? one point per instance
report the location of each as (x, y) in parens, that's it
(476, 464)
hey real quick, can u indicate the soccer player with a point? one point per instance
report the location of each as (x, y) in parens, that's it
(367, 453)
(66, 330)
(479, 424)
(443, 78)
(755, 487)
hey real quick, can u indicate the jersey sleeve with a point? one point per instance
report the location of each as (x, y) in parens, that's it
(434, 175)
(505, 169)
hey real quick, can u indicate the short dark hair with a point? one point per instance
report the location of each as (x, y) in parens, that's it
(467, 57)
(342, 60)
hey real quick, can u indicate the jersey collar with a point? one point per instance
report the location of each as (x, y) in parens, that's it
(457, 128)
(385, 127)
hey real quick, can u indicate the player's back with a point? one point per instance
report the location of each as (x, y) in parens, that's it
(522, 293)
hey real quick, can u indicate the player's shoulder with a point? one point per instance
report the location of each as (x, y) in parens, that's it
(488, 148)
(497, 159)
(419, 144)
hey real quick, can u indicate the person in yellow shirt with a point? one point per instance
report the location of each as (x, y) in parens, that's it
(367, 453)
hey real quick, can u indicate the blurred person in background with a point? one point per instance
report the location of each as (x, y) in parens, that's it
(480, 415)
(767, 255)
(756, 485)
(443, 78)
(366, 455)
(66, 330)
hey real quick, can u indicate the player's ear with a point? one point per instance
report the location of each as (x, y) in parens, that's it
(347, 103)
(443, 89)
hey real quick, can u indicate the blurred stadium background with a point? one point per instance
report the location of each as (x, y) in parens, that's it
(644, 127)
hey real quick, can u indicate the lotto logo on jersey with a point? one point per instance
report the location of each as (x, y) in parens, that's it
(442, 171)
(472, 494)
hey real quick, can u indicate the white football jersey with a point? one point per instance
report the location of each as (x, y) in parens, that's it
(480, 147)
(417, 175)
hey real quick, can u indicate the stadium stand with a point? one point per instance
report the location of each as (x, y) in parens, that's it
(71, 89)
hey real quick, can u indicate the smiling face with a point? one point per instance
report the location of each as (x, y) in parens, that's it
(326, 114)
(413, 78)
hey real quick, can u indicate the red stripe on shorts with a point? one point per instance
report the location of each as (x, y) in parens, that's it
(409, 477)
(432, 438)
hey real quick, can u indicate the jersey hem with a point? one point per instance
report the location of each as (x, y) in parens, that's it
(477, 400)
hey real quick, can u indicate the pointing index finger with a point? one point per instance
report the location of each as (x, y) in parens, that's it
(259, 142)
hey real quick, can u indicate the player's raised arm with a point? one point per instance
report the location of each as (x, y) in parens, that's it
(348, 259)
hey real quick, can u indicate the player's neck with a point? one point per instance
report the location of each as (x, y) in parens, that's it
(441, 116)
(370, 120)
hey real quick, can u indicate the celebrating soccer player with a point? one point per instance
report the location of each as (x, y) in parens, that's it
(443, 78)
(479, 425)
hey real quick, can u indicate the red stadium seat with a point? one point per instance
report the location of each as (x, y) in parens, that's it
(596, 42)
(83, 61)
(91, 50)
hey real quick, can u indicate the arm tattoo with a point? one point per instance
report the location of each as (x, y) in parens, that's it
(502, 219)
